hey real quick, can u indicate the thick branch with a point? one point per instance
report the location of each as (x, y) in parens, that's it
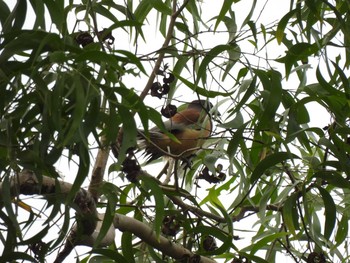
(99, 170)
(26, 183)
(161, 243)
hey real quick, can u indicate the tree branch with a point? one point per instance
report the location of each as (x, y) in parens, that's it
(27, 183)
(90, 222)
(194, 209)
(255, 209)
(99, 170)
(146, 233)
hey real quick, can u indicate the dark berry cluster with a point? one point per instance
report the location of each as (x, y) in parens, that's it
(169, 111)
(158, 89)
(85, 38)
(209, 243)
(131, 168)
(171, 225)
(211, 178)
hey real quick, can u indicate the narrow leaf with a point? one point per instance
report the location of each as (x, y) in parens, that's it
(264, 242)
(158, 195)
(226, 6)
(270, 161)
(333, 178)
(282, 25)
(235, 141)
(212, 54)
(342, 231)
(112, 254)
(290, 213)
(127, 247)
(330, 212)
(202, 91)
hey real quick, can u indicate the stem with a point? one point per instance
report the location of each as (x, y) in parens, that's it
(168, 37)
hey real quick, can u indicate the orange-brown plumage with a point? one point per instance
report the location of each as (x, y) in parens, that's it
(190, 127)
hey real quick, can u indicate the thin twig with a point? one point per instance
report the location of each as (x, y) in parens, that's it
(165, 45)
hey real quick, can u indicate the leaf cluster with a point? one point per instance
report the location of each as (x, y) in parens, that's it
(275, 173)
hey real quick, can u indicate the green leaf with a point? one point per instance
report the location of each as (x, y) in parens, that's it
(253, 29)
(16, 256)
(282, 25)
(132, 59)
(263, 243)
(99, 57)
(37, 42)
(202, 91)
(124, 23)
(192, 8)
(57, 14)
(250, 91)
(111, 192)
(333, 178)
(6, 201)
(249, 16)
(104, 12)
(300, 111)
(330, 212)
(4, 16)
(270, 161)
(127, 247)
(226, 6)
(253, 258)
(156, 257)
(212, 54)
(20, 14)
(161, 7)
(39, 236)
(326, 88)
(233, 56)
(82, 173)
(235, 140)
(125, 10)
(135, 104)
(290, 213)
(39, 9)
(271, 82)
(110, 255)
(158, 195)
(142, 10)
(338, 152)
(129, 130)
(66, 222)
(344, 79)
(231, 25)
(235, 123)
(182, 27)
(181, 63)
(342, 231)
(228, 218)
(81, 102)
(298, 52)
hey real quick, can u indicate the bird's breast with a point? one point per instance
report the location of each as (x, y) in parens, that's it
(188, 141)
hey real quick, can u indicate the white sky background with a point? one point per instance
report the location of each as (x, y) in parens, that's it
(272, 11)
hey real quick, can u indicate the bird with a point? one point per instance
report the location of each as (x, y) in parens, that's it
(191, 126)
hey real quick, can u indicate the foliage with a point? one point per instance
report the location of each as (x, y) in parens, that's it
(73, 73)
